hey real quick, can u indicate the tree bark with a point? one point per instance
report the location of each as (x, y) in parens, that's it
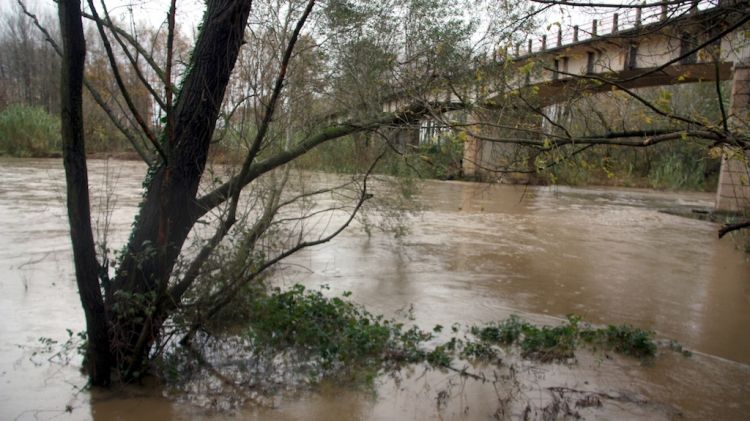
(98, 357)
(163, 222)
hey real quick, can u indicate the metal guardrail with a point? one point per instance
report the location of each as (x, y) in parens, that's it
(623, 20)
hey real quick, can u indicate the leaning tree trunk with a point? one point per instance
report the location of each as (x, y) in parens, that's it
(164, 221)
(98, 360)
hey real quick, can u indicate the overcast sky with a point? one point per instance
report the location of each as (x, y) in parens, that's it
(190, 12)
(152, 11)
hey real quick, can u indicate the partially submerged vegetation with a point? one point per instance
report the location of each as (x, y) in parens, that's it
(317, 93)
(558, 343)
(287, 339)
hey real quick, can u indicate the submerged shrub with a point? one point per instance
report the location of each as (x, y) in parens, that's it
(299, 336)
(549, 343)
(337, 332)
(558, 343)
(507, 332)
(624, 339)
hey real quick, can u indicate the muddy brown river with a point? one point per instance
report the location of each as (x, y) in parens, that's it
(476, 253)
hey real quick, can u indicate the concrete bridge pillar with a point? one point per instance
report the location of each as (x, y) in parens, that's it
(733, 193)
(472, 153)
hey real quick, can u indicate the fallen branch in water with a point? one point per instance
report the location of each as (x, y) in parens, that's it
(727, 228)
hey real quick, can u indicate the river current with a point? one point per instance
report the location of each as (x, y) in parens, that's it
(476, 253)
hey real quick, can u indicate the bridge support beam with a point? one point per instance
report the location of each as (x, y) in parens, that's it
(733, 193)
(472, 153)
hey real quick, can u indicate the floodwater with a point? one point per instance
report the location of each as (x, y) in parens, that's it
(476, 253)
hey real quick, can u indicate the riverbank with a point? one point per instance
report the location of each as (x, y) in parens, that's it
(118, 155)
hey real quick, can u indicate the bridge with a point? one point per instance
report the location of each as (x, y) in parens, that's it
(666, 45)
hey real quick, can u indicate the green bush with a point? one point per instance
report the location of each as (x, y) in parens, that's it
(558, 343)
(334, 331)
(28, 132)
(340, 333)
(316, 337)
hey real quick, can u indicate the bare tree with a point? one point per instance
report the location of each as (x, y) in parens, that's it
(29, 70)
(274, 79)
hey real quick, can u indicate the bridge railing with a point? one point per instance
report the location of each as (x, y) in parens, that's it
(624, 19)
(555, 36)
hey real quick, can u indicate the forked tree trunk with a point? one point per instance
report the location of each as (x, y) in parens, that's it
(123, 326)
(121, 335)
(98, 357)
(164, 221)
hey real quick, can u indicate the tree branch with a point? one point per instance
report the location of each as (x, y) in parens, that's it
(168, 92)
(719, 96)
(618, 5)
(225, 296)
(745, 18)
(123, 89)
(409, 115)
(727, 228)
(133, 62)
(271, 106)
(652, 138)
(132, 41)
(645, 102)
(132, 138)
(87, 267)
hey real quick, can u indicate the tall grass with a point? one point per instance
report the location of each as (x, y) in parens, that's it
(27, 131)
(683, 165)
(676, 172)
